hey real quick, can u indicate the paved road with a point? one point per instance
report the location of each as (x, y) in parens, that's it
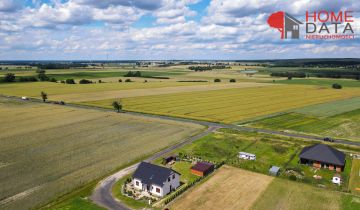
(102, 194)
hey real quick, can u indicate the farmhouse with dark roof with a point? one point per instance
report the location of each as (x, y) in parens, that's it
(155, 179)
(323, 156)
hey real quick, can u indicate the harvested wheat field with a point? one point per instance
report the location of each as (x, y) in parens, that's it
(232, 105)
(229, 188)
(49, 150)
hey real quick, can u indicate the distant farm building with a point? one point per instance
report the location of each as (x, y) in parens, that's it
(155, 179)
(247, 156)
(274, 171)
(202, 168)
(323, 156)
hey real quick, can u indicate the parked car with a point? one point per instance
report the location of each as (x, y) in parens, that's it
(24, 98)
(328, 139)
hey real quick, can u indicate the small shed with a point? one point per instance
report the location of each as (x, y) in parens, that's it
(202, 168)
(274, 171)
(247, 156)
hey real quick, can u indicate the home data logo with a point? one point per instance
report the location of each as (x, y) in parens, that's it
(318, 25)
(288, 26)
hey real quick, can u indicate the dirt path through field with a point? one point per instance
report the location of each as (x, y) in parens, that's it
(229, 188)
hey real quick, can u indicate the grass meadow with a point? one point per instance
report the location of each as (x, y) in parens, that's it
(232, 105)
(331, 108)
(283, 194)
(49, 150)
(345, 125)
(354, 184)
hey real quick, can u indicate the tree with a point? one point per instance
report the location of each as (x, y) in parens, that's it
(232, 80)
(336, 86)
(43, 96)
(276, 20)
(128, 80)
(43, 77)
(9, 77)
(117, 105)
(217, 80)
(70, 81)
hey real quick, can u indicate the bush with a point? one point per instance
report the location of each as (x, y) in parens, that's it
(53, 80)
(289, 77)
(217, 80)
(128, 80)
(99, 81)
(85, 81)
(232, 80)
(120, 80)
(62, 81)
(70, 81)
(336, 86)
(9, 77)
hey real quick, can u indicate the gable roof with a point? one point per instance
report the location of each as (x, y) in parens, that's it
(152, 174)
(202, 166)
(292, 18)
(323, 153)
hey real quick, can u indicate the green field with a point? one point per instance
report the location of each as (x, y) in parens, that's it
(232, 105)
(48, 150)
(320, 82)
(345, 125)
(331, 108)
(282, 194)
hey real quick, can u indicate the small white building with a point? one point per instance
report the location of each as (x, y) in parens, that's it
(155, 179)
(247, 156)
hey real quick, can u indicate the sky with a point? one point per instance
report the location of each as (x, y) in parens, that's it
(163, 30)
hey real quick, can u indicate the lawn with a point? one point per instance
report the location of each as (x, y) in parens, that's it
(49, 150)
(232, 105)
(283, 194)
(345, 125)
(354, 184)
(228, 188)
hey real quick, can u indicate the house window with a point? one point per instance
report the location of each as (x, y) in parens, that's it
(173, 176)
(158, 190)
(296, 27)
(169, 179)
(137, 183)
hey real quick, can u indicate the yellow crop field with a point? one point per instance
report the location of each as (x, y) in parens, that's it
(102, 91)
(49, 150)
(229, 188)
(232, 105)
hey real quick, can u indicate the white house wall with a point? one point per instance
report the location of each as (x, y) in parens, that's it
(175, 183)
(140, 184)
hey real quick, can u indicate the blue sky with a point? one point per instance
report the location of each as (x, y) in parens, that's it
(162, 29)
